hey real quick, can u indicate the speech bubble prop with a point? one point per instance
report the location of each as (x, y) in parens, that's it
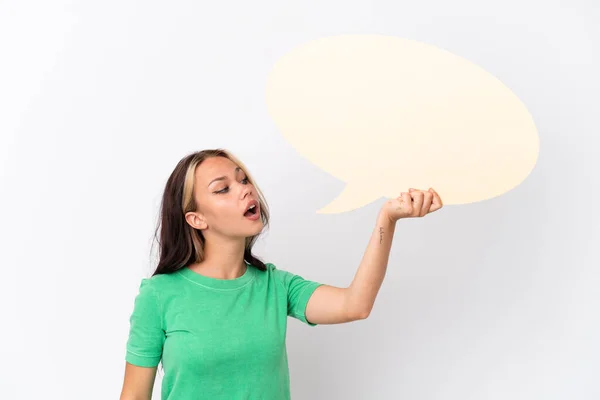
(385, 113)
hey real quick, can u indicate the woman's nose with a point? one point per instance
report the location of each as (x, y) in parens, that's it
(247, 191)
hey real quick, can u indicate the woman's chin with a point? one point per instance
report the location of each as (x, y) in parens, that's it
(254, 229)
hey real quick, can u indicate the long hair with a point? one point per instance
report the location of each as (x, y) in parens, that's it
(180, 244)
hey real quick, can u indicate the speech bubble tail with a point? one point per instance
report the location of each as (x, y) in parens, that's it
(352, 197)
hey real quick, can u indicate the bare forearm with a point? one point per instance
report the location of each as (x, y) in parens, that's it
(333, 305)
(371, 271)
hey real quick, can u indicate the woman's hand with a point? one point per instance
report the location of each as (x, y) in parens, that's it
(415, 203)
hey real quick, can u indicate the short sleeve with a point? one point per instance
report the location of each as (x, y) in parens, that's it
(146, 333)
(299, 291)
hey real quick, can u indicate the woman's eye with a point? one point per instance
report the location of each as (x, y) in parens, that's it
(226, 189)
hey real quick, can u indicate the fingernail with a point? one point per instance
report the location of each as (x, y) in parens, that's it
(411, 189)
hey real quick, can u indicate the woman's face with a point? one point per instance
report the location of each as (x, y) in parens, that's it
(223, 194)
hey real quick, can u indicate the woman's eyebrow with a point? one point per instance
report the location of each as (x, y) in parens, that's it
(220, 178)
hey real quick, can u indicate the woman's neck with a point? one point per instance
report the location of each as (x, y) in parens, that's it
(223, 260)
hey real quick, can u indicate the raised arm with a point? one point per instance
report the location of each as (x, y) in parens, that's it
(334, 305)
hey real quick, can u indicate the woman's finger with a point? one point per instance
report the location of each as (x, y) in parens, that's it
(417, 197)
(427, 200)
(436, 202)
(405, 203)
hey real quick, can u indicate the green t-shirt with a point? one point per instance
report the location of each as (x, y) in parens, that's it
(218, 338)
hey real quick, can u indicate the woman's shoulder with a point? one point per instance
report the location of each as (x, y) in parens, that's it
(281, 275)
(270, 266)
(271, 269)
(159, 282)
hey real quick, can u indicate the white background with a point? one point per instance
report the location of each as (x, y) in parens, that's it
(99, 100)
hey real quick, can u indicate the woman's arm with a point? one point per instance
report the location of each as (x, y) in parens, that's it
(138, 382)
(334, 305)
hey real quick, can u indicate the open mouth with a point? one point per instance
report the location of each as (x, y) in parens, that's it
(251, 211)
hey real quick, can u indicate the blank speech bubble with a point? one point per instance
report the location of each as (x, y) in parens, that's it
(384, 114)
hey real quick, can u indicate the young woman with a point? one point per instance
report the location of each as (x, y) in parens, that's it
(212, 311)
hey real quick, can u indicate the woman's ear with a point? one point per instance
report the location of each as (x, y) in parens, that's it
(196, 220)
